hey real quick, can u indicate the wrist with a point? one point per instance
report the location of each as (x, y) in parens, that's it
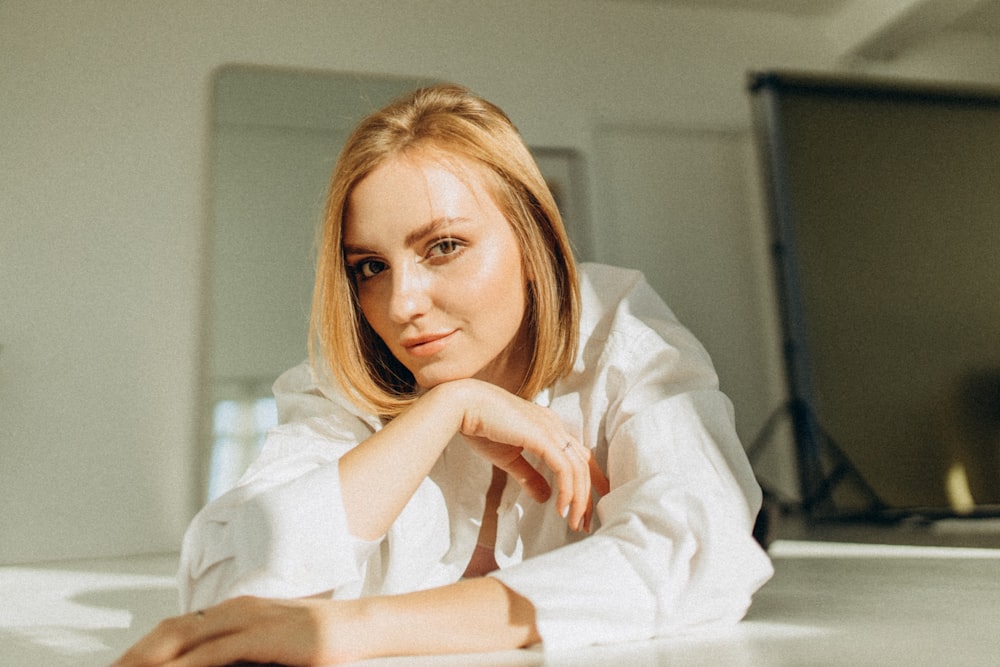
(469, 616)
(349, 632)
(375, 629)
(450, 401)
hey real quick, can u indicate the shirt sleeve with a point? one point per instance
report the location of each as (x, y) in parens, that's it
(282, 531)
(674, 549)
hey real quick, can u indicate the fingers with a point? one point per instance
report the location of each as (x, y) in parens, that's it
(216, 636)
(576, 475)
(242, 628)
(581, 487)
(224, 650)
(170, 639)
(530, 479)
(583, 502)
(573, 501)
(578, 481)
(500, 426)
(598, 482)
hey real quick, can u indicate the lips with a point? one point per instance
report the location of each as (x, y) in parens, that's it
(426, 345)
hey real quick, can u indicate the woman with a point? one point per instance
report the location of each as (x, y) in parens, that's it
(431, 487)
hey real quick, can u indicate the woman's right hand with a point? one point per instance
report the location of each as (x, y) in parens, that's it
(500, 427)
(379, 476)
(264, 631)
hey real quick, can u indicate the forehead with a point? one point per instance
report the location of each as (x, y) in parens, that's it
(416, 188)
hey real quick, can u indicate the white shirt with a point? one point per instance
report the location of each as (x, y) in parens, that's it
(671, 545)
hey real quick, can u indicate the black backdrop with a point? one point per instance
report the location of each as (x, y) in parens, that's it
(885, 202)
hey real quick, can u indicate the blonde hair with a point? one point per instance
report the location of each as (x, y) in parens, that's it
(451, 120)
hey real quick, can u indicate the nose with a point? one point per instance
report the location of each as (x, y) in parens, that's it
(410, 296)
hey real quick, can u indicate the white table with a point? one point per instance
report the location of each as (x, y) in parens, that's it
(828, 604)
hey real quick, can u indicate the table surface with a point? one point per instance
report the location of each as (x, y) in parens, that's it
(829, 603)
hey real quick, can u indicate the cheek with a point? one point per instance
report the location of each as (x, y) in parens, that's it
(508, 280)
(506, 290)
(367, 304)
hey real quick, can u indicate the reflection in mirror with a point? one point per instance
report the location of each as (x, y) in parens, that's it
(275, 137)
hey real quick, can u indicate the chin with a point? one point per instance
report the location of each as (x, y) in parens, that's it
(431, 380)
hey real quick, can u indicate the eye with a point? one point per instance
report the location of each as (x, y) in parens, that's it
(367, 268)
(445, 247)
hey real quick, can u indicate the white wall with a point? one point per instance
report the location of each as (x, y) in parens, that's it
(681, 198)
(103, 160)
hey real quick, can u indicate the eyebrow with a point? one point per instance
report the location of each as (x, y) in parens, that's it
(435, 226)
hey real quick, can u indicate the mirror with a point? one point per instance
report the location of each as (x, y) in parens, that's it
(276, 135)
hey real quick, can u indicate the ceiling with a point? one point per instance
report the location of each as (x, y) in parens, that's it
(877, 28)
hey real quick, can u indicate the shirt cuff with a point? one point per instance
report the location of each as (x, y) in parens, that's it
(288, 541)
(576, 602)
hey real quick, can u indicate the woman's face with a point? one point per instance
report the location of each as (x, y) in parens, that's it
(438, 271)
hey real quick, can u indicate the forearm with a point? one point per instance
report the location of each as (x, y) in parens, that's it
(379, 476)
(474, 615)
